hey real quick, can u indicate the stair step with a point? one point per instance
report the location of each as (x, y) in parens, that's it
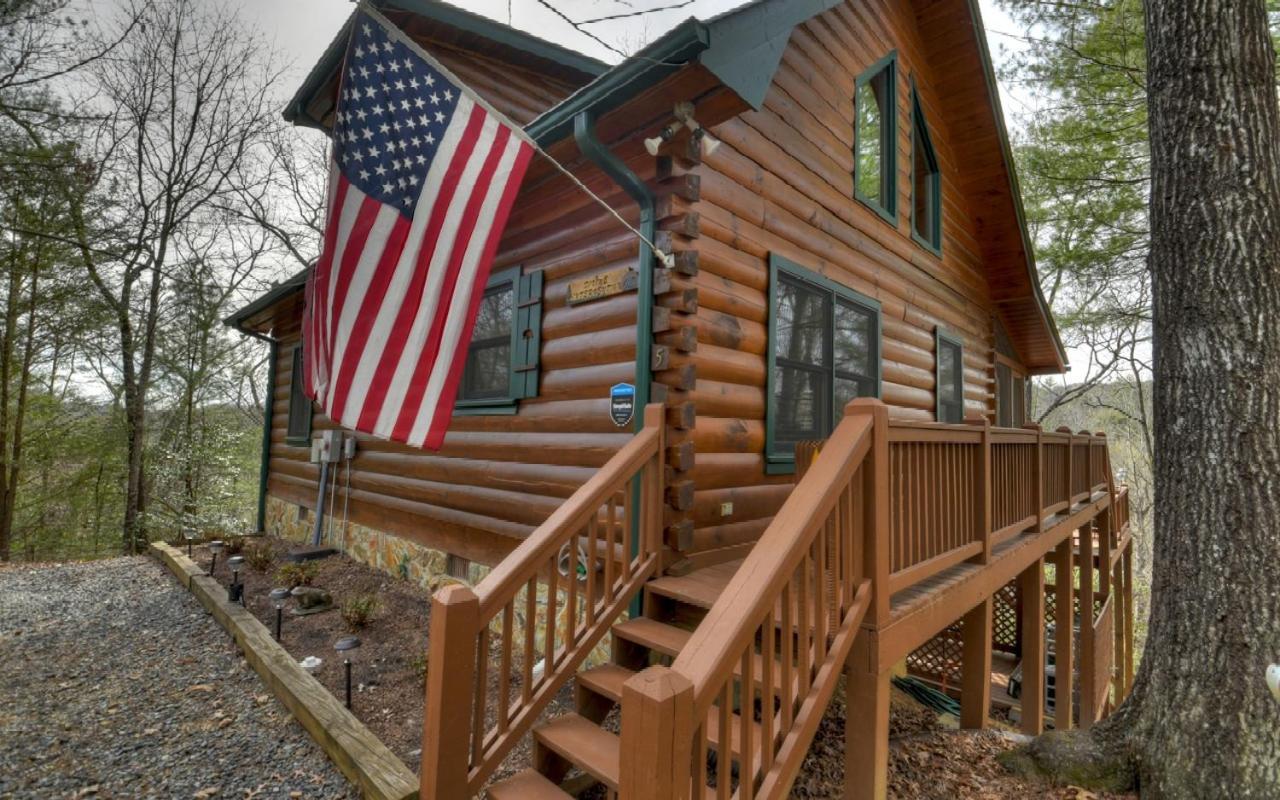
(669, 640)
(527, 785)
(700, 588)
(658, 637)
(588, 746)
(605, 680)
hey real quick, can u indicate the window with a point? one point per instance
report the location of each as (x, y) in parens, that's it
(1011, 396)
(950, 378)
(875, 166)
(824, 350)
(502, 359)
(298, 430)
(926, 183)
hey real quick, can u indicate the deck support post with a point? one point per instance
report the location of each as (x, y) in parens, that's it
(1127, 667)
(975, 668)
(1031, 582)
(1064, 636)
(657, 729)
(866, 735)
(446, 729)
(1088, 676)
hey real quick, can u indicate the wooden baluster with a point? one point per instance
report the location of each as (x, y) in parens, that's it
(628, 537)
(450, 691)
(571, 607)
(788, 659)
(746, 720)
(724, 756)
(593, 562)
(657, 721)
(481, 697)
(530, 631)
(1037, 478)
(1064, 636)
(767, 692)
(804, 638)
(549, 631)
(504, 678)
(610, 544)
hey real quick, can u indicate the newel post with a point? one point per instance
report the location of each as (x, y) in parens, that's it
(1037, 477)
(983, 521)
(875, 491)
(657, 736)
(446, 725)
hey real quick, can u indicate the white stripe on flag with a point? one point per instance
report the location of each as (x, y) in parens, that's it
(407, 266)
(351, 203)
(460, 304)
(358, 284)
(444, 247)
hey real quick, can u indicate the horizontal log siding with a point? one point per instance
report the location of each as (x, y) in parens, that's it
(498, 477)
(782, 182)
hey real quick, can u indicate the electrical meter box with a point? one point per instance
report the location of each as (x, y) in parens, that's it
(327, 447)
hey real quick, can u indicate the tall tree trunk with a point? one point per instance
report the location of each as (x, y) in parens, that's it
(1203, 724)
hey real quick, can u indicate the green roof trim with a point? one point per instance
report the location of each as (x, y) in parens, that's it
(294, 283)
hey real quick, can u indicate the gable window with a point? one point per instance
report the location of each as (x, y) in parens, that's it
(926, 183)
(824, 350)
(298, 429)
(502, 359)
(950, 378)
(875, 165)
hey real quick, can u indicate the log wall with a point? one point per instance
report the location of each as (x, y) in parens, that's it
(782, 182)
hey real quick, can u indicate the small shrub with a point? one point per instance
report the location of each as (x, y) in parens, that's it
(419, 665)
(402, 567)
(358, 611)
(259, 557)
(234, 545)
(293, 575)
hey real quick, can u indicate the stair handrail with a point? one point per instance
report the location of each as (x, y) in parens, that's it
(461, 747)
(828, 539)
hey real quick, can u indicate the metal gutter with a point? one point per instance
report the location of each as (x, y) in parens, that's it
(584, 133)
(268, 420)
(674, 50)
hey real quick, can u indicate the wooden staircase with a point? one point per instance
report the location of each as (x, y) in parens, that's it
(578, 740)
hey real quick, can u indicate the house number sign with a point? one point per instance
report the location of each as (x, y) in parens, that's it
(605, 284)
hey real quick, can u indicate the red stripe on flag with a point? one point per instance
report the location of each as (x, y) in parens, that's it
(444, 409)
(342, 275)
(431, 347)
(312, 338)
(370, 308)
(399, 336)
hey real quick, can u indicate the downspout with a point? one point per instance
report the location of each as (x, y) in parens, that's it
(268, 419)
(584, 133)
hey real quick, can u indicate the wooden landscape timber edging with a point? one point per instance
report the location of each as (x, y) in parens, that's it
(361, 756)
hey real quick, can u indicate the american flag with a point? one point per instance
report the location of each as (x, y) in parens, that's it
(422, 180)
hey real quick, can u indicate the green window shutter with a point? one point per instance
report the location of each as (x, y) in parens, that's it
(527, 336)
(298, 429)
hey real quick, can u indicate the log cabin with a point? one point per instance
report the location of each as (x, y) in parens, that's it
(792, 450)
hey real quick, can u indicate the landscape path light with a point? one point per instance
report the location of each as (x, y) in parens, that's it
(235, 591)
(343, 645)
(279, 596)
(190, 535)
(215, 547)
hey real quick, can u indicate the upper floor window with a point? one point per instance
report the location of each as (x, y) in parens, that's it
(950, 378)
(926, 182)
(1011, 396)
(502, 359)
(875, 166)
(298, 427)
(824, 350)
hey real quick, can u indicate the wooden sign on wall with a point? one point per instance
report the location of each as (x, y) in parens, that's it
(604, 284)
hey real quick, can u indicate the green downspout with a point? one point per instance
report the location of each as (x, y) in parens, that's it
(268, 418)
(584, 133)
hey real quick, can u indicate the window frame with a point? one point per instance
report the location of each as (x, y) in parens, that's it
(1015, 399)
(941, 338)
(783, 463)
(297, 396)
(888, 66)
(919, 125)
(522, 368)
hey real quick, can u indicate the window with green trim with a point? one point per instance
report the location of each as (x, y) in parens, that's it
(950, 378)
(1011, 397)
(824, 350)
(298, 428)
(926, 182)
(502, 359)
(875, 164)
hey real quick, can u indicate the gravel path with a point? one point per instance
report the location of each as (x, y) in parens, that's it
(114, 683)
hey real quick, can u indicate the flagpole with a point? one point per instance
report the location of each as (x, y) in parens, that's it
(396, 33)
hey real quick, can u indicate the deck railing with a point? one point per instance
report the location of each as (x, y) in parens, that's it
(563, 588)
(774, 643)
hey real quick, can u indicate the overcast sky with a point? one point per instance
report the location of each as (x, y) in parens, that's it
(303, 28)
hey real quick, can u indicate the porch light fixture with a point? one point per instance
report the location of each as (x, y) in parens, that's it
(235, 591)
(343, 645)
(278, 597)
(215, 547)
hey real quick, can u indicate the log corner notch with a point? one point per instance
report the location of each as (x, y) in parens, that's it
(677, 187)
